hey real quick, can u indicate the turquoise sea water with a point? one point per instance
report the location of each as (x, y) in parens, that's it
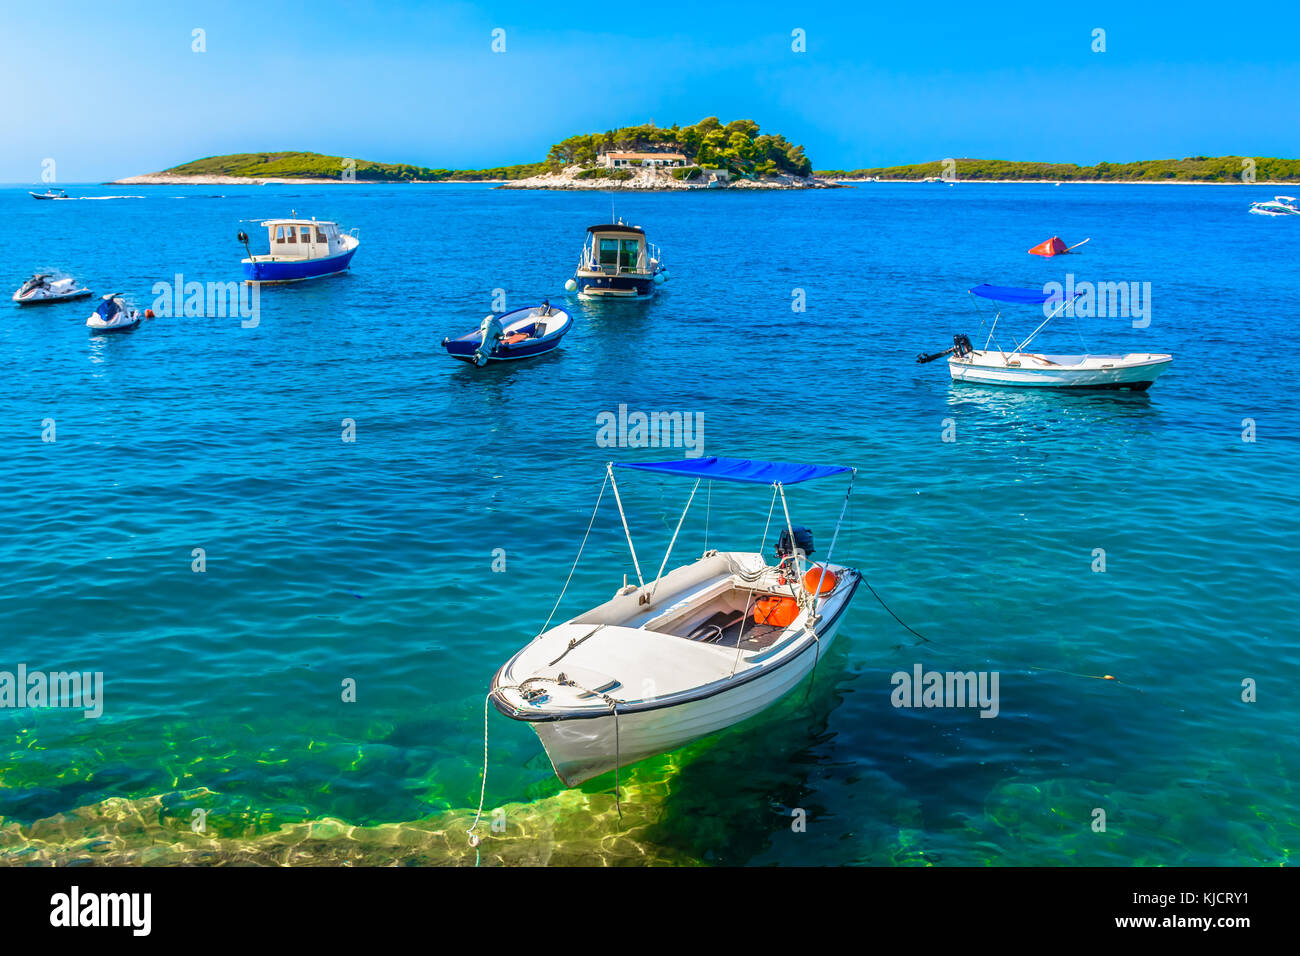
(372, 560)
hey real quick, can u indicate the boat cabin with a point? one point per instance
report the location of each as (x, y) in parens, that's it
(303, 238)
(615, 249)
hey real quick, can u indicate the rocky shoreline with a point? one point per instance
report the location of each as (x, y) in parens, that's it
(654, 178)
(648, 179)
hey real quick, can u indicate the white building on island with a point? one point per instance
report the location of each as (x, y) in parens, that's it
(627, 160)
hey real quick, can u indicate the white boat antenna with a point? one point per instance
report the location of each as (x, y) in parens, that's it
(609, 470)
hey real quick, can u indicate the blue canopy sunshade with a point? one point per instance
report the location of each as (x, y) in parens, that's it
(1002, 293)
(745, 470)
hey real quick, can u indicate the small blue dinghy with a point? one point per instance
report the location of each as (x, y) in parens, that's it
(519, 334)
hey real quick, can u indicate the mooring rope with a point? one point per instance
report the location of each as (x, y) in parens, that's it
(618, 759)
(473, 837)
(566, 682)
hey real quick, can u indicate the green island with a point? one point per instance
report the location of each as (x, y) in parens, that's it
(294, 165)
(737, 147)
(737, 151)
(1194, 169)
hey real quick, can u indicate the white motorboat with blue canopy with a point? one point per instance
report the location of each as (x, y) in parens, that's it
(1020, 367)
(689, 652)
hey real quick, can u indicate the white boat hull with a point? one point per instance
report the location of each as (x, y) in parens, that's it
(52, 298)
(1133, 371)
(60, 290)
(126, 325)
(582, 749)
(658, 657)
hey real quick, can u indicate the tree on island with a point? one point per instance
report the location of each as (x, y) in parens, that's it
(737, 147)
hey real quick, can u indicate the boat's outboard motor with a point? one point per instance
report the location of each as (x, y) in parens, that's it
(960, 345)
(803, 542)
(492, 332)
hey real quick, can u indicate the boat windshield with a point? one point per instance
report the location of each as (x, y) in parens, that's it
(615, 253)
(107, 309)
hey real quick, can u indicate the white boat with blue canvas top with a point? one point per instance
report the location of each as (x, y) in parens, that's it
(688, 653)
(300, 249)
(1019, 367)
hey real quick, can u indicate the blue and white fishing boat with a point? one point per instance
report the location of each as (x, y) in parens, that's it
(519, 334)
(1019, 367)
(617, 262)
(693, 651)
(49, 194)
(300, 249)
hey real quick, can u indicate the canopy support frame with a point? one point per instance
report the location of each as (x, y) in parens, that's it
(609, 470)
(676, 532)
(1065, 303)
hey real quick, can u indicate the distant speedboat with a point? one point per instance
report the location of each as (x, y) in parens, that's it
(41, 288)
(1277, 206)
(113, 315)
(300, 249)
(686, 654)
(617, 262)
(49, 194)
(1135, 370)
(520, 334)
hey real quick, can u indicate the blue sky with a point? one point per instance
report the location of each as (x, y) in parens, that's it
(110, 90)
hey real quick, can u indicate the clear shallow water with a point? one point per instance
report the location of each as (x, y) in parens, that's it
(372, 560)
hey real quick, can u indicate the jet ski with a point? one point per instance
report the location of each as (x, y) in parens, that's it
(113, 315)
(43, 288)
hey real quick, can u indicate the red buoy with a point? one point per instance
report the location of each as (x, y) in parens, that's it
(814, 575)
(1052, 247)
